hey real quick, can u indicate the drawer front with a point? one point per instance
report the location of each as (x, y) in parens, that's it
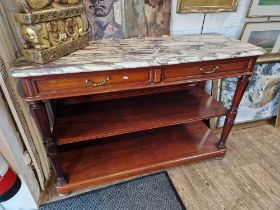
(95, 82)
(82, 84)
(182, 71)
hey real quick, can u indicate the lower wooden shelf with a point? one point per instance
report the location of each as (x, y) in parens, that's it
(106, 160)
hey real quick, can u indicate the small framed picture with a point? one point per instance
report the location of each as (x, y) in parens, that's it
(265, 35)
(264, 8)
(198, 6)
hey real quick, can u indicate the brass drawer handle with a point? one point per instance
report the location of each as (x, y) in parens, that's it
(207, 71)
(89, 82)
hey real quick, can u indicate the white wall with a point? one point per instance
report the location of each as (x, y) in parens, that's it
(227, 23)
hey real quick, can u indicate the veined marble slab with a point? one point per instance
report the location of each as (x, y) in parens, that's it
(107, 55)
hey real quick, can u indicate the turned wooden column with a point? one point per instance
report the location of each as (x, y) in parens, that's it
(38, 108)
(232, 112)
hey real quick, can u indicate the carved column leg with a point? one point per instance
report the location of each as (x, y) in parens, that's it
(39, 110)
(232, 112)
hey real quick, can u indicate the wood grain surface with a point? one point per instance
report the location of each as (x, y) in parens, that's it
(71, 85)
(247, 178)
(97, 162)
(90, 121)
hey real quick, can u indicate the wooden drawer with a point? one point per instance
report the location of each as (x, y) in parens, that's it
(93, 82)
(83, 84)
(179, 72)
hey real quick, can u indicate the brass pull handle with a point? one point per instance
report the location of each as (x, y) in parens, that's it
(207, 71)
(89, 82)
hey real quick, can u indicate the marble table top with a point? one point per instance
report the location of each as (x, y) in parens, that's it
(136, 53)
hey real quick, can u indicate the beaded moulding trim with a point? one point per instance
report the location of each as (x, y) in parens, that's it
(53, 53)
(50, 14)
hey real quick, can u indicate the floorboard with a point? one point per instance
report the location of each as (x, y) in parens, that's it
(247, 178)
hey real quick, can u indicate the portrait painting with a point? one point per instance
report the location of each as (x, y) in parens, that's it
(147, 18)
(104, 19)
(190, 6)
(264, 8)
(261, 99)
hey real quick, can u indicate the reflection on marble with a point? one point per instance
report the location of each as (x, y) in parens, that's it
(135, 53)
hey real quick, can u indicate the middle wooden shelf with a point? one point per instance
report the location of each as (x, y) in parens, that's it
(88, 121)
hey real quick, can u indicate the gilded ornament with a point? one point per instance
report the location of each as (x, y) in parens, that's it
(71, 28)
(49, 14)
(67, 1)
(28, 6)
(57, 32)
(51, 40)
(51, 28)
(80, 24)
(74, 27)
(36, 36)
(53, 53)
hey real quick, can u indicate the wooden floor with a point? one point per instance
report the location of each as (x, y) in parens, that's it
(247, 178)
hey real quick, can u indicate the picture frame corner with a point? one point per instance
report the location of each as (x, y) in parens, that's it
(259, 16)
(207, 9)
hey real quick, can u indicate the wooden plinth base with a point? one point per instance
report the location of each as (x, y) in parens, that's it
(107, 160)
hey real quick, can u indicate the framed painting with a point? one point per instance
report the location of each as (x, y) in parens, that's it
(265, 35)
(261, 99)
(188, 6)
(147, 18)
(264, 8)
(104, 19)
(117, 19)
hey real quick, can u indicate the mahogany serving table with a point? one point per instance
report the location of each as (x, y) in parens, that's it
(129, 107)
